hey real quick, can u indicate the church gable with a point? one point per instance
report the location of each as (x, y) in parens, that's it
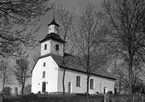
(45, 71)
(45, 61)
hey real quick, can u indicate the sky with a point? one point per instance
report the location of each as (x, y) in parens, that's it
(78, 5)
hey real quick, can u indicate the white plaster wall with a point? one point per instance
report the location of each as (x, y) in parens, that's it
(60, 52)
(71, 77)
(99, 82)
(48, 50)
(51, 75)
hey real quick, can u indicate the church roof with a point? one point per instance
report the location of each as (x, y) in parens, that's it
(53, 36)
(72, 64)
(53, 23)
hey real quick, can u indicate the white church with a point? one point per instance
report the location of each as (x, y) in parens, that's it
(47, 73)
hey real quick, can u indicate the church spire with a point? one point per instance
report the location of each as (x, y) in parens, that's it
(54, 11)
(53, 26)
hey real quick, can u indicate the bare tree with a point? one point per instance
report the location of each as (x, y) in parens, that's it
(27, 89)
(5, 73)
(15, 15)
(22, 10)
(120, 70)
(66, 18)
(87, 39)
(124, 28)
(22, 72)
(35, 57)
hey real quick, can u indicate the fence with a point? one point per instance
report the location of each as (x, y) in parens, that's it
(124, 98)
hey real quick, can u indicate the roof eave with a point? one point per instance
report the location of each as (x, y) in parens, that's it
(52, 39)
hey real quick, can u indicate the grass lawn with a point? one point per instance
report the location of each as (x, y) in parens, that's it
(73, 98)
(52, 98)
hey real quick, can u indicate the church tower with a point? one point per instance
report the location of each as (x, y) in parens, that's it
(52, 43)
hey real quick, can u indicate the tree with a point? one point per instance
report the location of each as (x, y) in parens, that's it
(27, 89)
(7, 91)
(87, 39)
(5, 73)
(15, 16)
(124, 29)
(121, 72)
(35, 57)
(22, 72)
(66, 19)
(18, 10)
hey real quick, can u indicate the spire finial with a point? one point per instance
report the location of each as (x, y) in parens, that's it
(54, 11)
(53, 21)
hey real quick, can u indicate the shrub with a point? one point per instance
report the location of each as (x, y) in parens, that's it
(7, 91)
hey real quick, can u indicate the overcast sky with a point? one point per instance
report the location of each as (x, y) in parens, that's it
(79, 6)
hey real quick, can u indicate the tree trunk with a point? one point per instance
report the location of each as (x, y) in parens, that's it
(4, 79)
(63, 80)
(23, 86)
(22, 90)
(131, 54)
(119, 86)
(120, 81)
(3, 85)
(88, 64)
(130, 77)
(130, 70)
(88, 77)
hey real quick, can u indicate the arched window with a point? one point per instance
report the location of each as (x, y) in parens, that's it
(57, 47)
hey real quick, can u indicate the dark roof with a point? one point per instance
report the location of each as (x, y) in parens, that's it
(53, 36)
(53, 23)
(72, 64)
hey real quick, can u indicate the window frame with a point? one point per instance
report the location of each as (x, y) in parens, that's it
(57, 47)
(78, 81)
(44, 64)
(43, 74)
(45, 46)
(92, 83)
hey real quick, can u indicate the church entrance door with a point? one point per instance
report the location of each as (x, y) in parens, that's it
(69, 87)
(43, 86)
